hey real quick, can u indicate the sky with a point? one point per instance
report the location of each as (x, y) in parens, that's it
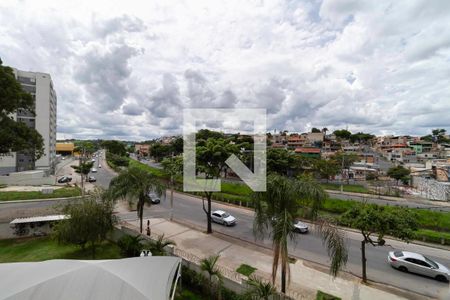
(127, 69)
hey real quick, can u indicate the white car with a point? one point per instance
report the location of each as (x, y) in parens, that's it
(300, 227)
(224, 218)
(94, 170)
(419, 264)
(93, 160)
(99, 166)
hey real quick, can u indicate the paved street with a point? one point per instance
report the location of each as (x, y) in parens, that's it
(188, 209)
(309, 246)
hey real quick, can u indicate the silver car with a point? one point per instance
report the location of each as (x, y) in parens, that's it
(300, 227)
(221, 217)
(419, 264)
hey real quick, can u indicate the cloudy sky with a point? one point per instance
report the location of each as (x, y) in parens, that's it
(127, 69)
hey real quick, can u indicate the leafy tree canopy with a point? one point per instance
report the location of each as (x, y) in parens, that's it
(115, 147)
(315, 130)
(342, 134)
(398, 173)
(89, 223)
(15, 135)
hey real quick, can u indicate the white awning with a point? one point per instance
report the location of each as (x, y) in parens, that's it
(137, 278)
(39, 219)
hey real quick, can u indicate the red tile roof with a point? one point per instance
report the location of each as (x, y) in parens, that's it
(307, 150)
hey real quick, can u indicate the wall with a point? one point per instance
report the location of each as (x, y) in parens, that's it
(37, 177)
(432, 189)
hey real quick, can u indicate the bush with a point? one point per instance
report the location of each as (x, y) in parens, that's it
(245, 269)
(130, 246)
(117, 160)
(324, 296)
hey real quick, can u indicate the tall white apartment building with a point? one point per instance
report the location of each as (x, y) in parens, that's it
(40, 86)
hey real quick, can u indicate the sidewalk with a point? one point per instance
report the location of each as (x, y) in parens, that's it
(305, 278)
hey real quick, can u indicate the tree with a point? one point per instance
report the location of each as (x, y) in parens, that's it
(399, 173)
(209, 265)
(342, 134)
(173, 167)
(130, 246)
(158, 151)
(361, 137)
(279, 161)
(135, 184)
(275, 212)
(324, 130)
(259, 289)
(315, 130)
(83, 169)
(326, 168)
(115, 147)
(88, 222)
(211, 157)
(16, 136)
(157, 247)
(378, 220)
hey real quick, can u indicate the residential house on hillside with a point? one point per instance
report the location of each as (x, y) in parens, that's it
(308, 152)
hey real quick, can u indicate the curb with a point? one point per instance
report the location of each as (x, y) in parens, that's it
(39, 200)
(416, 242)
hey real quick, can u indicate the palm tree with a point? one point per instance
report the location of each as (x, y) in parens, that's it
(173, 166)
(157, 247)
(209, 266)
(135, 184)
(259, 289)
(275, 212)
(130, 246)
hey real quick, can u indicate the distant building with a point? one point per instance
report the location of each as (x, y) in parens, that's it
(40, 86)
(65, 148)
(308, 152)
(142, 149)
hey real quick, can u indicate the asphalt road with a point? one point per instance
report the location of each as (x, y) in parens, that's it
(307, 246)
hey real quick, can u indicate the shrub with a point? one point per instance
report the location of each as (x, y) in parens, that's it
(130, 246)
(324, 296)
(245, 269)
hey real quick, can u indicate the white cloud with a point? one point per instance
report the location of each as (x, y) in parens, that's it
(126, 70)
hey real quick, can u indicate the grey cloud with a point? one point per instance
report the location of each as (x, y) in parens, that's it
(166, 98)
(198, 90)
(271, 96)
(132, 109)
(104, 76)
(125, 23)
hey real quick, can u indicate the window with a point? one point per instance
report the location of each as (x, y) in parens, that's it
(398, 253)
(216, 215)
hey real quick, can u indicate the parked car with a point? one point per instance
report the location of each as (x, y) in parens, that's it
(65, 179)
(154, 197)
(419, 264)
(93, 160)
(99, 166)
(222, 217)
(91, 179)
(94, 170)
(300, 227)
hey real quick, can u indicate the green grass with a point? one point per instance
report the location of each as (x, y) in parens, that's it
(354, 188)
(432, 236)
(157, 172)
(235, 189)
(245, 270)
(44, 248)
(188, 295)
(324, 296)
(57, 193)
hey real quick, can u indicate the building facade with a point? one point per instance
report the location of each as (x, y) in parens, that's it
(40, 86)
